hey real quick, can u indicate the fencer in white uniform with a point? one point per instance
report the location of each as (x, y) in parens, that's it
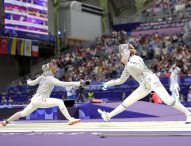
(148, 81)
(42, 99)
(174, 82)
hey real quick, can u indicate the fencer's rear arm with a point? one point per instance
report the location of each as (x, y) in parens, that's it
(33, 82)
(56, 82)
(124, 76)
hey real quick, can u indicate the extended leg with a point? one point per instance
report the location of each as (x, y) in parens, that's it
(166, 98)
(28, 110)
(138, 94)
(51, 102)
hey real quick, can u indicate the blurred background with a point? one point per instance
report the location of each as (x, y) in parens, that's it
(82, 38)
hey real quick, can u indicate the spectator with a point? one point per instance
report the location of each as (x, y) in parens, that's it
(91, 95)
(3, 99)
(10, 100)
(71, 92)
(156, 99)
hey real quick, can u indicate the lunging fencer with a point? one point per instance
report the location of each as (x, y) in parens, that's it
(147, 80)
(41, 99)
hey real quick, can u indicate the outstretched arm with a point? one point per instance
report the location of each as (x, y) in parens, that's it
(57, 82)
(125, 75)
(33, 82)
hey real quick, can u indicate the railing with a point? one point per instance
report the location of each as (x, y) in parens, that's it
(113, 92)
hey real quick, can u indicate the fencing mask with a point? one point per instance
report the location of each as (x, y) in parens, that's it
(124, 50)
(45, 67)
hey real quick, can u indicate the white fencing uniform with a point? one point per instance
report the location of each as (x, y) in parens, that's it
(174, 82)
(148, 82)
(41, 99)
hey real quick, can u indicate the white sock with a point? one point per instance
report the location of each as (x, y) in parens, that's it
(64, 110)
(181, 108)
(116, 111)
(14, 117)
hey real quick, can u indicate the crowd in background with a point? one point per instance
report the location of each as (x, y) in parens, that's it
(101, 61)
(160, 51)
(168, 10)
(87, 62)
(162, 24)
(166, 5)
(180, 56)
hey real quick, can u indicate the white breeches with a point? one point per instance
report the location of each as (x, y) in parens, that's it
(152, 84)
(174, 88)
(175, 93)
(41, 102)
